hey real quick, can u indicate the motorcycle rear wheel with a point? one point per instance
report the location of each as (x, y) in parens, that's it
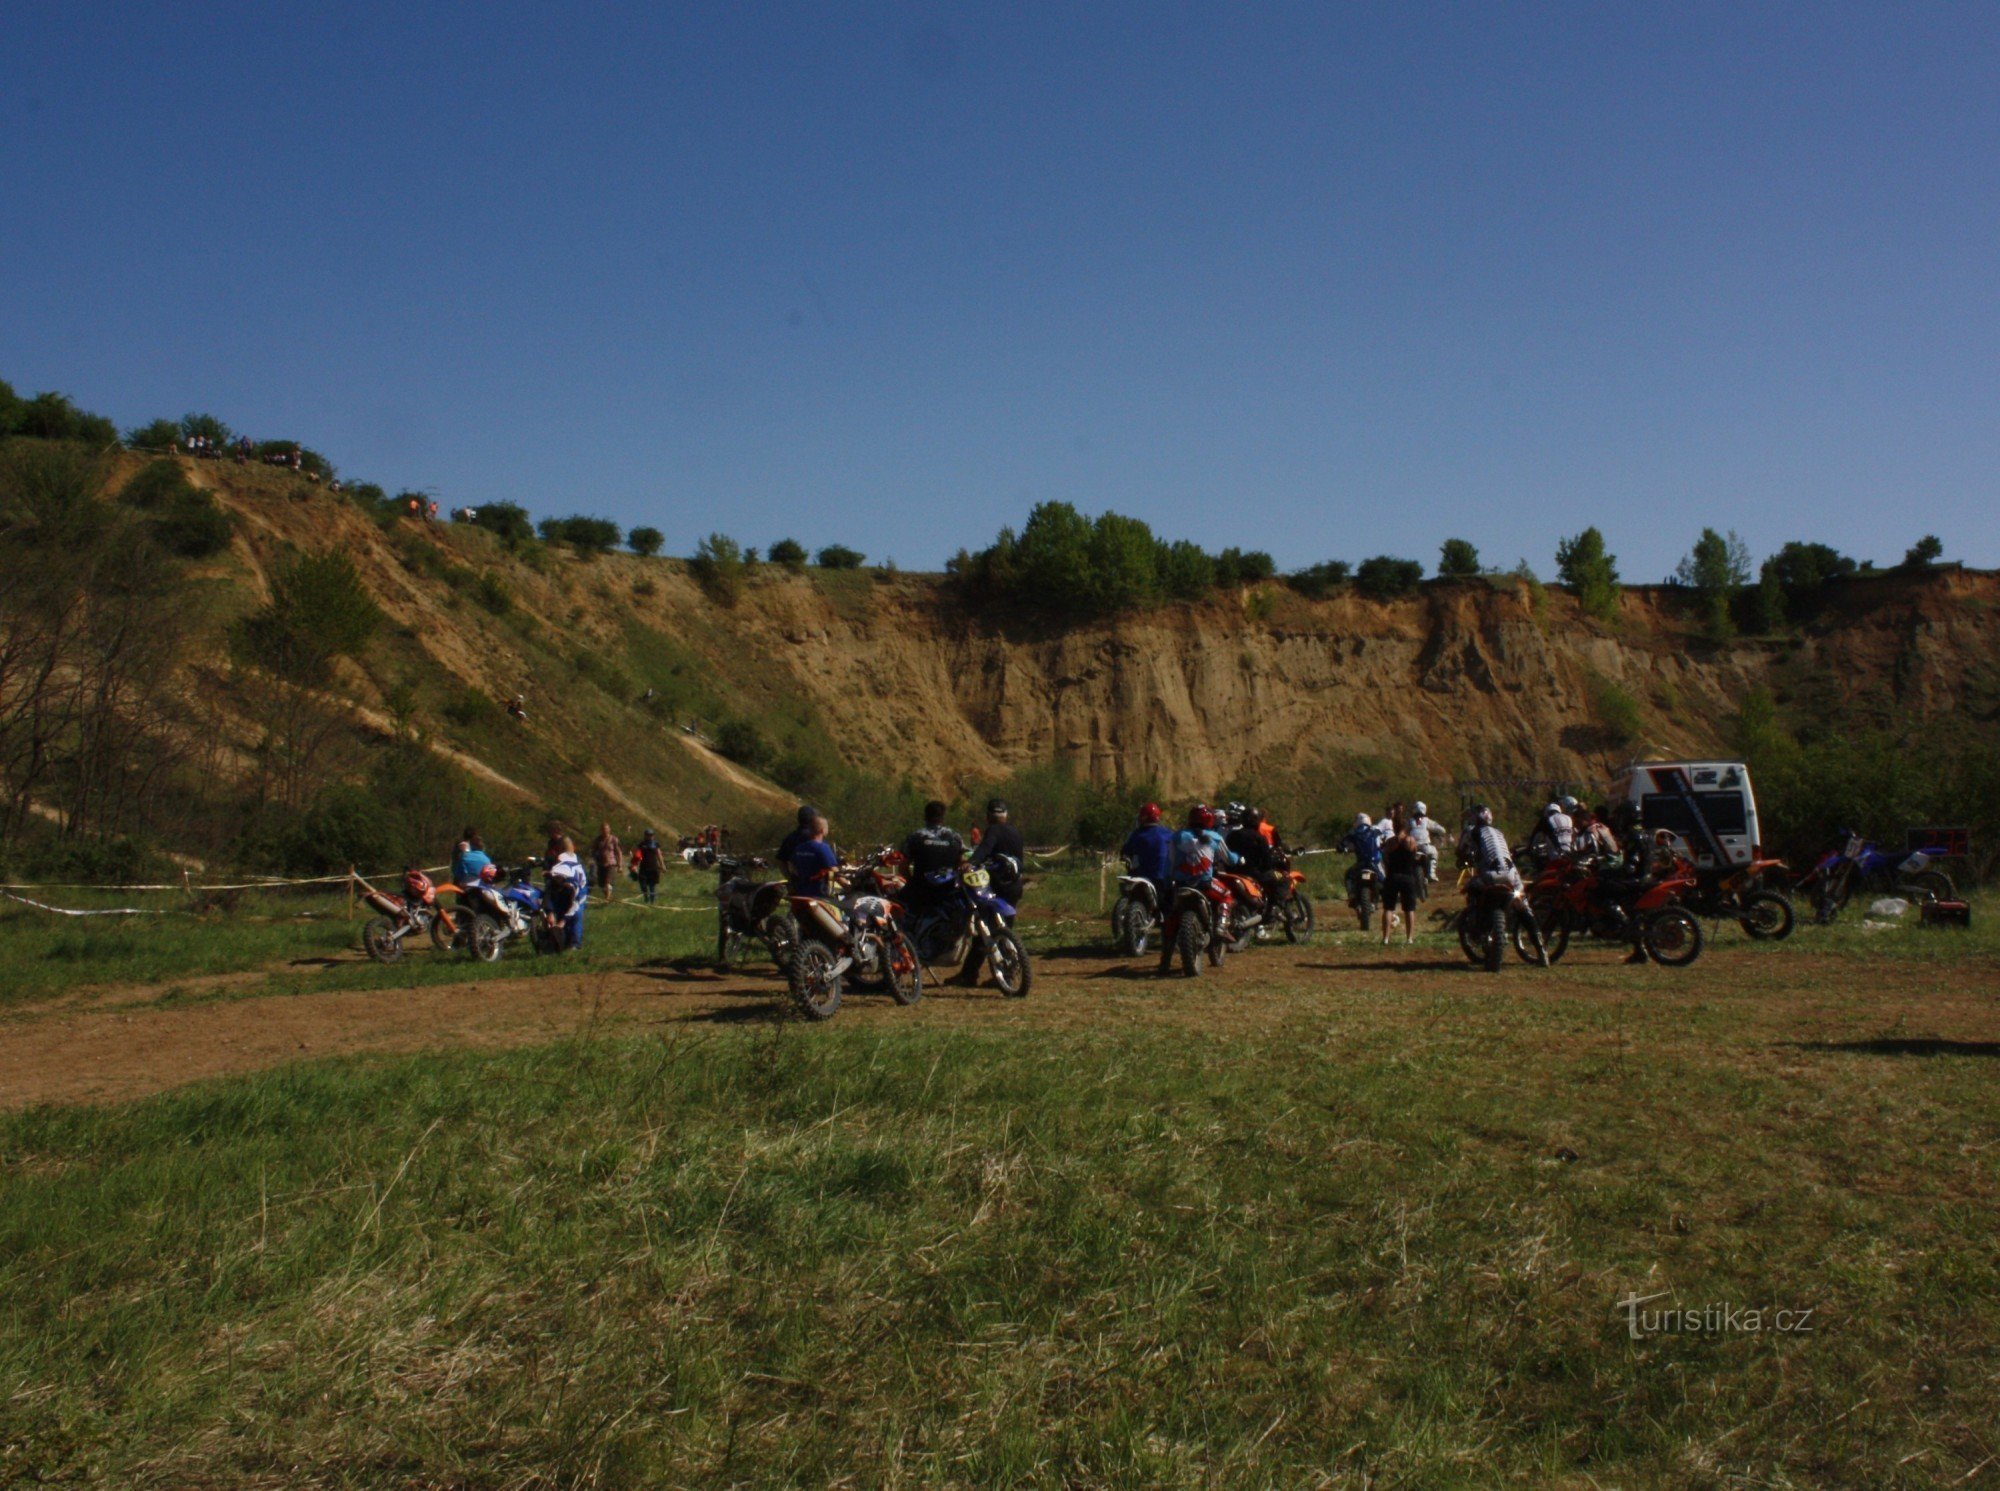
(903, 973)
(1496, 938)
(1466, 924)
(1928, 885)
(814, 986)
(1188, 940)
(781, 935)
(1555, 933)
(1299, 917)
(487, 939)
(1767, 916)
(1364, 906)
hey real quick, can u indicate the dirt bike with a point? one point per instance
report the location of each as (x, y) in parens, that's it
(1497, 912)
(415, 912)
(504, 914)
(749, 910)
(1364, 891)
(1195, 918)
(1294, 906)
(962, 915)
(1574, 898)
(1135, 915)
(1740, 895)
(835, 940)
(1860, 865)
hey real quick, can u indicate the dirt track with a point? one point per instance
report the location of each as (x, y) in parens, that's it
(105, 1045)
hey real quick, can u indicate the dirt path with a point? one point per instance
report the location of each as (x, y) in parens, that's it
(106, 1045)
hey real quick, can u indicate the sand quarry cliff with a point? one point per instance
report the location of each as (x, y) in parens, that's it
(890, 672)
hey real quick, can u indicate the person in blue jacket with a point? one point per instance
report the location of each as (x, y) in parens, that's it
(469, 858)
(1149, 850)
(812, 861)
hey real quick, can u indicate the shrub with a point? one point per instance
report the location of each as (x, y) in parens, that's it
(1384, 577)
(1186, 572)
(1925, 552)
(1320, 580)
(789, 552)
(207, 426)
(839, 556)
(10, 409)
(469, 709)
(1616, 711)
(743, 743)
(192, 526)
(718, 566)
(51, 416)
(319, 610)
(1537, 592)
(1457, 560)
(586, 535)
(492, 593)
(156, 485)
(1792, 583)
(645, 542)
(1591, 573)
(1240, 567)
(507, 521)
(158, 435)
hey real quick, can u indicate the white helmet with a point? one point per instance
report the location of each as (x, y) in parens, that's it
(1362, 820)
(1420, 810)
(1552, 809)
(1569, 805)
(1485, 817)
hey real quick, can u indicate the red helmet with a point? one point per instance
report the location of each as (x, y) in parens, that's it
(1150, 813)
(489, 873)
(1201, 816)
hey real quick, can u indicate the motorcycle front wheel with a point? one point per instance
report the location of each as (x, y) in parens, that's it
(1188, 939)
(379, 940)
(1672, 937)
(814, 986)
(1299, 917)
(1467, 923)
(448, 939)
(488, 938)
(1555, 932)
(1496, 938)
(1012, 973)
(902, 974)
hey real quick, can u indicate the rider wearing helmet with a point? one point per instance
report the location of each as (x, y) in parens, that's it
(1149, 850)
(1247, 842)
(1428, 834)
(1364, 842)
(1198, 849)
(1555, 832)
(1002, 853)
(1484, 847)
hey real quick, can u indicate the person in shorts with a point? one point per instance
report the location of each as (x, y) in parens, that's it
(1401, 868)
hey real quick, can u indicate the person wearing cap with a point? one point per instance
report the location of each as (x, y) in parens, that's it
(790, 843)
(1002, 853)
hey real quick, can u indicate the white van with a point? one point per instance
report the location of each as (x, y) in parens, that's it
(1708, 803)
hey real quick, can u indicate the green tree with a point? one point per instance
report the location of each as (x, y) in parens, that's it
(1186, 572)
(788, 552)
(1715, 571)
(1053, 557)
(718, 565)
(587, 535)
(207, 426)
(10, 409)
(1797, 576)
(157, 435)
(1234, 567)
(839, 556)
(645, 542)
(1320, 580)
(1457, 560)
(1384, 577)
(1591, 573)
(508, 521)
(1124, 564)
(1924, 553)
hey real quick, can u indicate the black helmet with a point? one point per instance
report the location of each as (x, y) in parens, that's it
(996, 807)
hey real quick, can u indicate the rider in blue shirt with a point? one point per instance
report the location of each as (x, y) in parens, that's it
(468, 859)
(1149, 849)
(812, 861)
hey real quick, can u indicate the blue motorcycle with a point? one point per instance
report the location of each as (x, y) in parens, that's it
(1860, 865)
(501, 914)
(964, 921)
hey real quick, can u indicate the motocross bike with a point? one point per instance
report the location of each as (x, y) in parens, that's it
(416, 911)
(1195, 919)
(1497, 911)
(835, 940)
(504, 914)
(962, 919)
(1572, 898)
(1740, 895)
(1135, 915)
(1860, 865)
(1295, 907)
(1364, 891)
(748, 910)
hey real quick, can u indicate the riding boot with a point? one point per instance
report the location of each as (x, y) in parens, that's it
(1638, 954)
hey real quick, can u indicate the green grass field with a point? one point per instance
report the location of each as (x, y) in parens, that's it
(1329, 1218)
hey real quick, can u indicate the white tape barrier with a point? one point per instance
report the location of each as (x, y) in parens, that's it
(269, 883)
(96, 911)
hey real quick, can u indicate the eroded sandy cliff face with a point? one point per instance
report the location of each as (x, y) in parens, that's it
(893, 674)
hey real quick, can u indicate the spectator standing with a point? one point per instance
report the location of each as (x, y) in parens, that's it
(606, 854)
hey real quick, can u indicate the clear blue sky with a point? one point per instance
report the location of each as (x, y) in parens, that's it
(1330, 280)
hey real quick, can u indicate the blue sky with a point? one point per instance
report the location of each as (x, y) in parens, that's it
(1327, 280)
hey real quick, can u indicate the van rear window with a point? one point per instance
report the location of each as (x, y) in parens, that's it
(1723, 810)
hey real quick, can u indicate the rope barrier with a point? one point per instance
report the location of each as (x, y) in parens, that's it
(96, 911)
(272, 882)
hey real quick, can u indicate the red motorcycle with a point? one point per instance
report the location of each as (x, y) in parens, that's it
(1575, 898)
(1198, 921)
